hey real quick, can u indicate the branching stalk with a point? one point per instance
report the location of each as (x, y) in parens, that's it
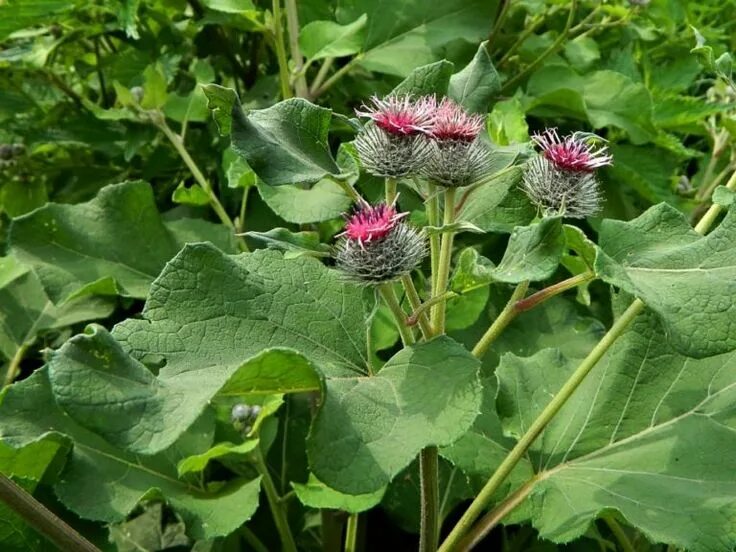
(418, 314)
(505, 317)
(392, 302)
(178, 144)
(428, 304)
(509, 84)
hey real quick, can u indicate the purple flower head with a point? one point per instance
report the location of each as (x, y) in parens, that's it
(400, 115)
(377, 246)
(453, 123)
(369, 223)
(573, 152)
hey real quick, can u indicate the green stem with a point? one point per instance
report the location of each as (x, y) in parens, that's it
(14, 365)
(351, 533)
(712, 214)
(417, 315)
(519, 450)
(526, 33)
(240, 222)
(278, 39)
(178, 144)
(428, 304)
(252, 539)
(433, 218)
(505, 317)
(543, 294)
(389, 296)
(324, 70)
(41, 519)
(508, 85)
(391, 190)
(336, 76)
(500, 20)
(292, 21)
(443, 267)
(492, 518)
(430, 495)
(619, 533)
(349, 189)
(274, 502)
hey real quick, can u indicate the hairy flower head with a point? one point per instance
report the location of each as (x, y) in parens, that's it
(391, 155)
(401, 115)
(456, 163)
(377, 246)
(573, 152)
(369, 223)
(453, 123)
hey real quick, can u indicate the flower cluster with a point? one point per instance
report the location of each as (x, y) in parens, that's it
(377, 246)
(562, 181)
(438, 140)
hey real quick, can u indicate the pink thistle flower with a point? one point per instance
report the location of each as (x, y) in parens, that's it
(453, 123)
(370, 223)
(572, 152)
(399, 115)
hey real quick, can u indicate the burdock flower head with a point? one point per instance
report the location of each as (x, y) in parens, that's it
(562, 180)
(377, 246)
(395, 144)
(459, 157)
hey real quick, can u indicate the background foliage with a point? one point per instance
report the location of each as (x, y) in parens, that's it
(98, 198)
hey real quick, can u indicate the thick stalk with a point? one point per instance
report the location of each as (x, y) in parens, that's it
(351, 533)
(217, 207)
(619, 533)
(416, 306)
(274, 502)
(505, 317)
(428, 304)
(492, 518)
(430, 495)
(14, 365)
(43, 520)
(336, 76)
(292, 21)
(519, 450)
(324, 70)
(392, 302)
(543, 294)
(433, 218)
(711, 214)
(278, 39)
(443, 268)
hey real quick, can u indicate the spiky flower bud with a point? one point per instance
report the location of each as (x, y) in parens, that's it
(458, 158)
(562, 180)
(395, 144)
(377, 246)
(242, 416)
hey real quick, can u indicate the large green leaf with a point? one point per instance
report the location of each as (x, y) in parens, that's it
(285, 143)
(405, 35)
(105, 390)
(316, 494)
(371, 427)
(648, 433)
(322, 39)
(477, 83)
(117, 243)
(533, 252)
(432, 79)
(104, 483)
(324, 201)
(687, 279)
(26, 311)
(500, 205)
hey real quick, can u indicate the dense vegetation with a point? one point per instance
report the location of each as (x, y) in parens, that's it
(196, 357)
